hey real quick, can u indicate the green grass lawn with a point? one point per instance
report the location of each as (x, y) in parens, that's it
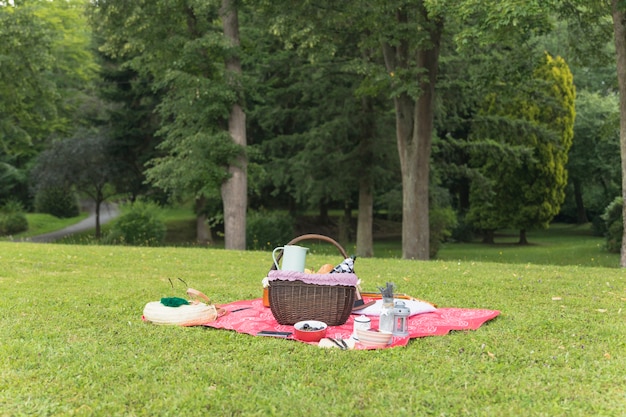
(561, 244)
(72, 341)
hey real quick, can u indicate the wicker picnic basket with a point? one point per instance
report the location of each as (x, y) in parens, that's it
(293, 300)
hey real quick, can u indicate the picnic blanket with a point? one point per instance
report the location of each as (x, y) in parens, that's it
(251, 317)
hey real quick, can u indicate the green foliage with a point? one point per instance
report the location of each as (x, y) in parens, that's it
(524, 175)
(187, 68)
(390, 203)
(267, 230)
(46, 67)
(58, 201)
(39, 224)
(442, 221)
(133, 125)
(192, 164)
(12, 218)
(464, 231)
(594, 165)
(27, 97)
(317, 138)
(614, 225)
(82, 161)
(13, 180)
(139, 225)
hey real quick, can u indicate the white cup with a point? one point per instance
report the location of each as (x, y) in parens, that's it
(293, 259)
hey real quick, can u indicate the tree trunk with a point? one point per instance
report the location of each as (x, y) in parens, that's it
(365, 220)
(235, 189)
(365, 223)
(414, 128)
(413, 198)
(581, 213)
(98, 200)
(619, 30)
(324, 219)
(203, 231)
(488, 237)
(97, 212)
(345, 225)
(523, 240)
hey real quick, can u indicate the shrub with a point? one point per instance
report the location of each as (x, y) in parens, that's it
(12, 218)
(463, 231)
(140, 225)
(598, 226)
(58, 201)
(442, 221)
(614, 225)
(266, 230)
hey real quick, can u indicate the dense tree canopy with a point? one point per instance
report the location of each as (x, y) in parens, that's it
(83, 162)
(593, 165)
(46, 69)
(302, 98)
(526, 191)
(189, 64)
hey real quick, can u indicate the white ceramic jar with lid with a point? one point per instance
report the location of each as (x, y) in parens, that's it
(361, 322)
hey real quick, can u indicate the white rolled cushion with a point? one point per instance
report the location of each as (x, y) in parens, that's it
(185, 315)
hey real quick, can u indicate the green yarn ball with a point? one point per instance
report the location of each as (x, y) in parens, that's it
(174, 301)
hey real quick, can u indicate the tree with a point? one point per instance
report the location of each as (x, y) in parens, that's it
(594, 17)
(192, 60)
(82, 162)
(618, 12)
(133, 123)
(526, 188)
(235, 188)
(593, 164)
(27, 98)
(406, 37)
(45, 78)
(414, 117)
(323, 142)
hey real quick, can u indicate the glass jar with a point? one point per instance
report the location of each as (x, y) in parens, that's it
(386, 315)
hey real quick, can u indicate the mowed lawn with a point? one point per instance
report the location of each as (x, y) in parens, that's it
(72, 341)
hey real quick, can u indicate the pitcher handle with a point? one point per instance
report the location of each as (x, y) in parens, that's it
(274, 256)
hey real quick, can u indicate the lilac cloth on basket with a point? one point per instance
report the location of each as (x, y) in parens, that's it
(346, 279)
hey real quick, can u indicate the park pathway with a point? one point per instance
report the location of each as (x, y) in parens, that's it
(108, 211)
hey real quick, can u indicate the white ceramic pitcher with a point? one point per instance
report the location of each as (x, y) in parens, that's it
(293, 259)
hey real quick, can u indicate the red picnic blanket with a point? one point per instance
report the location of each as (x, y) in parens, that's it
(251, 317)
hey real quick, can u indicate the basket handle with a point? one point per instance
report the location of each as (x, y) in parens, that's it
(342, 251)
(197, 294)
